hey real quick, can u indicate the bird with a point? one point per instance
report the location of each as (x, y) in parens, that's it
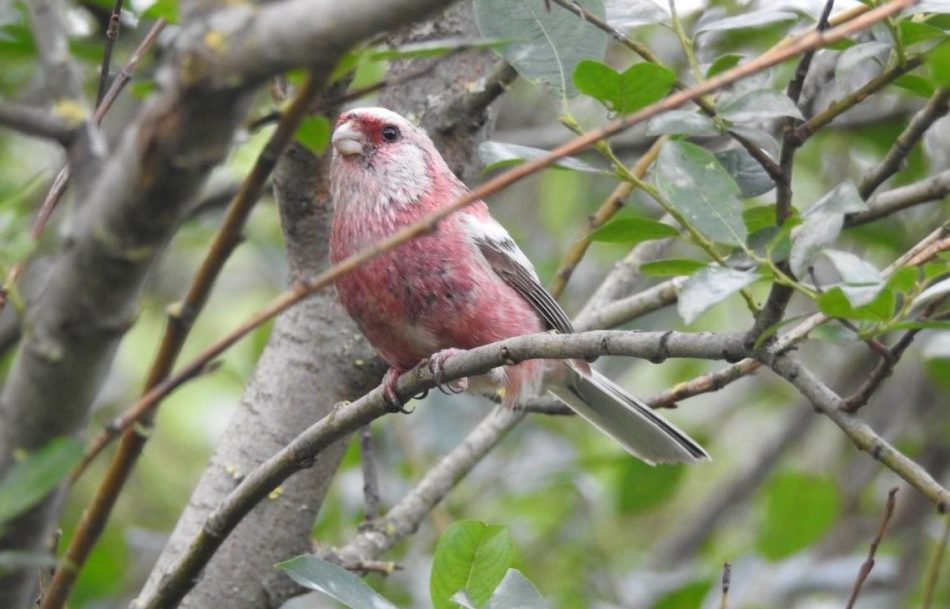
(460, 286)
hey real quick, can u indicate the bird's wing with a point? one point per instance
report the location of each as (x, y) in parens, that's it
(505, 258)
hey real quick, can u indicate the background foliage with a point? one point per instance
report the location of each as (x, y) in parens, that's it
(558, 516)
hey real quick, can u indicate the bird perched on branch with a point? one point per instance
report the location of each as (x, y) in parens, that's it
(464, 285)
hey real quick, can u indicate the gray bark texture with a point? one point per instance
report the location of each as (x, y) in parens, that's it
(131, 202)
(310, 362)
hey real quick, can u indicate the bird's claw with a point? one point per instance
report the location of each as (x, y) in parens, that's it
(437, 368)
(389, 391)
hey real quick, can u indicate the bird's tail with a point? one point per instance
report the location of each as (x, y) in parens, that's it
(645, 434)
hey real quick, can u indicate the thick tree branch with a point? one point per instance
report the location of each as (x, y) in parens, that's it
(131, 208)
(34, 121)
(344, 420)
(60, 73)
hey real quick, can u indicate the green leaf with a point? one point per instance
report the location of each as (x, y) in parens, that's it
(904, 279)
(633, 230)
(799, 509)
(639, 86)
(495, 155)
(758, 105)
(34, 477)
(849, 59)
(473, 557)
(546, 44)
(681, 122)
(822, 224)
(913, 32)
(748, 173)
(840, 301)
(334, 581)
(723, 63)
(672, 267)
(641, 487)
(516, 592)
(759, 217)
(689, 596)
(938, 60)
(163, 9)
(694, 182)
(915, 84)
(631, 13)
(314, 133)
(708, 287)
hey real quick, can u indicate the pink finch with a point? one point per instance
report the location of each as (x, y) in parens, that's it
(464, 285)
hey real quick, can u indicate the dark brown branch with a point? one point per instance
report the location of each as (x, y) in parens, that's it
(780, 295)
(889, 359)
(112, 34)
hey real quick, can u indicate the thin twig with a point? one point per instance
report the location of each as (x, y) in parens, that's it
(704, 105)
(352, 95)
(800, 134)
(112, 34)
(883, 204)
(780, 295)
(826, 401)
(933, 567)
(428, 223)
(176, 331)
(726, 583)
(872, 550)
(344, 420)
(611, 205)
(886, 365)
(182, 315)
(891, 163)
(121, 80)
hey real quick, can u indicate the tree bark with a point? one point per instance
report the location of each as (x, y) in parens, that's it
(131, 204)
(315, 358)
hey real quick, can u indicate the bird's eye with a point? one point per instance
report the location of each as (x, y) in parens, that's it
(390, 133)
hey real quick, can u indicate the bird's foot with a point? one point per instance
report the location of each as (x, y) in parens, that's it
(389, 390)
(437, 368)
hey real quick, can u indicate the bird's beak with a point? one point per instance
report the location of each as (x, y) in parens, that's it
(346, 140)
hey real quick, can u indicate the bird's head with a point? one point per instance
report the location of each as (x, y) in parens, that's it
(377, 148)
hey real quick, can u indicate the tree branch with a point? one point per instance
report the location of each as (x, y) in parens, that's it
(344, 420)
(406, 516)
(891, 163)
(827, 402)
(134, 204)
(61, 75)
(33, 121)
